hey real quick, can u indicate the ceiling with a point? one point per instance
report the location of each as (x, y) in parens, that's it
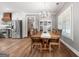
(30, 6)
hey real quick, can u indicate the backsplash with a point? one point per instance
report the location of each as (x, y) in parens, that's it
(7, 23)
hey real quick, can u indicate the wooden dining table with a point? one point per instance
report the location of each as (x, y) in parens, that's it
(45, 40)
(53, 36)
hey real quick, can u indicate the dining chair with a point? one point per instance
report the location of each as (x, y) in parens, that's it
(36, 43)
(55, 42)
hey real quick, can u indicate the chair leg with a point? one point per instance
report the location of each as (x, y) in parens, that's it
(50, 48)
(59, 47)
(40, 47)
(31, 47)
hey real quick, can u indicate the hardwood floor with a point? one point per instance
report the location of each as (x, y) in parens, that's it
(22, 47)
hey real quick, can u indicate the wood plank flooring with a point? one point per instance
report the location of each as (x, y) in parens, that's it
(22, 48)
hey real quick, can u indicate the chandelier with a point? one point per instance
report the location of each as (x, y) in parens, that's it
(44, 14)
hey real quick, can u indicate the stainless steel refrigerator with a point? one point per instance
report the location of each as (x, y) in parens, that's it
(16, 28)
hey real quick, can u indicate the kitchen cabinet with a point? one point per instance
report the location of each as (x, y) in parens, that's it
(45, 25)
(7, 16)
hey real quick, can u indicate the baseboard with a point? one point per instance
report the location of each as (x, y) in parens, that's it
(72, 49)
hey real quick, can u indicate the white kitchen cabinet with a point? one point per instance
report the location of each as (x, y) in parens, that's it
(45, 25)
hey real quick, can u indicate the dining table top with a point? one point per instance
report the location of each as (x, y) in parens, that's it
(53, 35)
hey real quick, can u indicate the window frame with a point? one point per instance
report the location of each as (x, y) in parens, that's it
(60, 22)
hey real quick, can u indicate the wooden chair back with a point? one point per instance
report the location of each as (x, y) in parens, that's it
(36, 39)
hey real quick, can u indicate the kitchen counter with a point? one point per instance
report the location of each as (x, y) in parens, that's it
(5, 30)
(4, 27)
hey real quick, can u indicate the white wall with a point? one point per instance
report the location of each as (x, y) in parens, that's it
(75, 17)
(54, 21)
(18, 15)
(1, 15)
(76, 24)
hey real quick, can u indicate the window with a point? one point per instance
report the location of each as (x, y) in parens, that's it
(65, 22)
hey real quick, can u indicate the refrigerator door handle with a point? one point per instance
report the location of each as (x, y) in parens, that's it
(12, 26)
